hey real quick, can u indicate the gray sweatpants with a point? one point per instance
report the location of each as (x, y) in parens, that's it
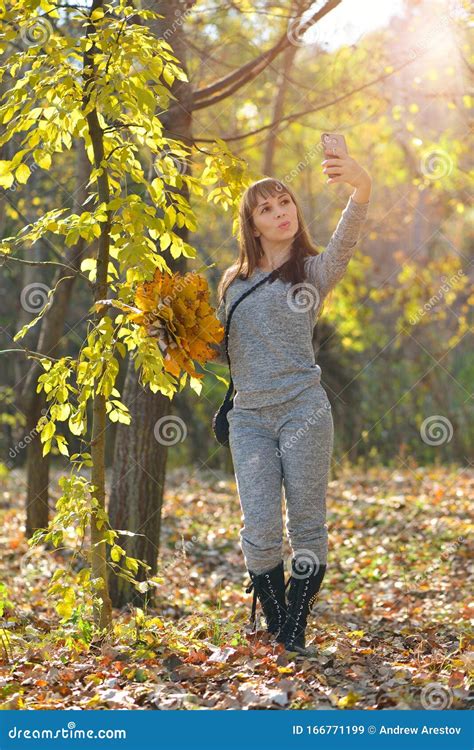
(287, 444)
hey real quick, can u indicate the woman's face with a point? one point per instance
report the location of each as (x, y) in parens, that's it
(275, 218)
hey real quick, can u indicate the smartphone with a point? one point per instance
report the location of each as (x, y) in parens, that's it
(331, 141)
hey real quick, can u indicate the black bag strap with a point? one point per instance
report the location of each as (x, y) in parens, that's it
(231, 312)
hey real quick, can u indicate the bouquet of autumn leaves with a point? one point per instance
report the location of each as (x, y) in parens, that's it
(175, 310)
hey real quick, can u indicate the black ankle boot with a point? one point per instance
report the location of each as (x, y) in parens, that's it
(305, 583)
(270, 589)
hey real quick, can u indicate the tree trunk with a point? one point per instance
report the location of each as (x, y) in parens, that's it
(138, 476)
(136, 495)
(102, 607)
(278, 109)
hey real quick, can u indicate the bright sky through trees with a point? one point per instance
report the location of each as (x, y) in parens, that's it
(349, 21)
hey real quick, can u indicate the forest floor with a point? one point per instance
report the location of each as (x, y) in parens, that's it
(391, 620)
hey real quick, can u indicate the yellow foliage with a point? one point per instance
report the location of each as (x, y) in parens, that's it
(175, 309)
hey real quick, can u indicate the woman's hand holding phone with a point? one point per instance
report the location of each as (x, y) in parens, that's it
(340, 167)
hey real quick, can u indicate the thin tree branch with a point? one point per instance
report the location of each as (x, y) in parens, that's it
(8, 257)
(33, 355)
(232, 82)
(296, 115)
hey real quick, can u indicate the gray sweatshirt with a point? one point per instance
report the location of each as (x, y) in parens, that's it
(270, 336)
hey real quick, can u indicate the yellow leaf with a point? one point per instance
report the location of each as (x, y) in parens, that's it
(6, 177)
(42, 158)
(116, 553)
(349, 700)
(22, 173)
(46, 447)
(66, 607)
(48, 431)
(62, 447)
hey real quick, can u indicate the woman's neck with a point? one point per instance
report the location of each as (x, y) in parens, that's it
(270, 265)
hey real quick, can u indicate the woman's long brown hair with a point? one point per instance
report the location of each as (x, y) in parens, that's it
(250, 248)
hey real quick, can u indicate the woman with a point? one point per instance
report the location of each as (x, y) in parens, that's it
(281, 428)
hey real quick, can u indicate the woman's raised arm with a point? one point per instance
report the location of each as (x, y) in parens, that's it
(327, 268)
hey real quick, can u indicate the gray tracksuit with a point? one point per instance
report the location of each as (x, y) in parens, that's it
(281, 428)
